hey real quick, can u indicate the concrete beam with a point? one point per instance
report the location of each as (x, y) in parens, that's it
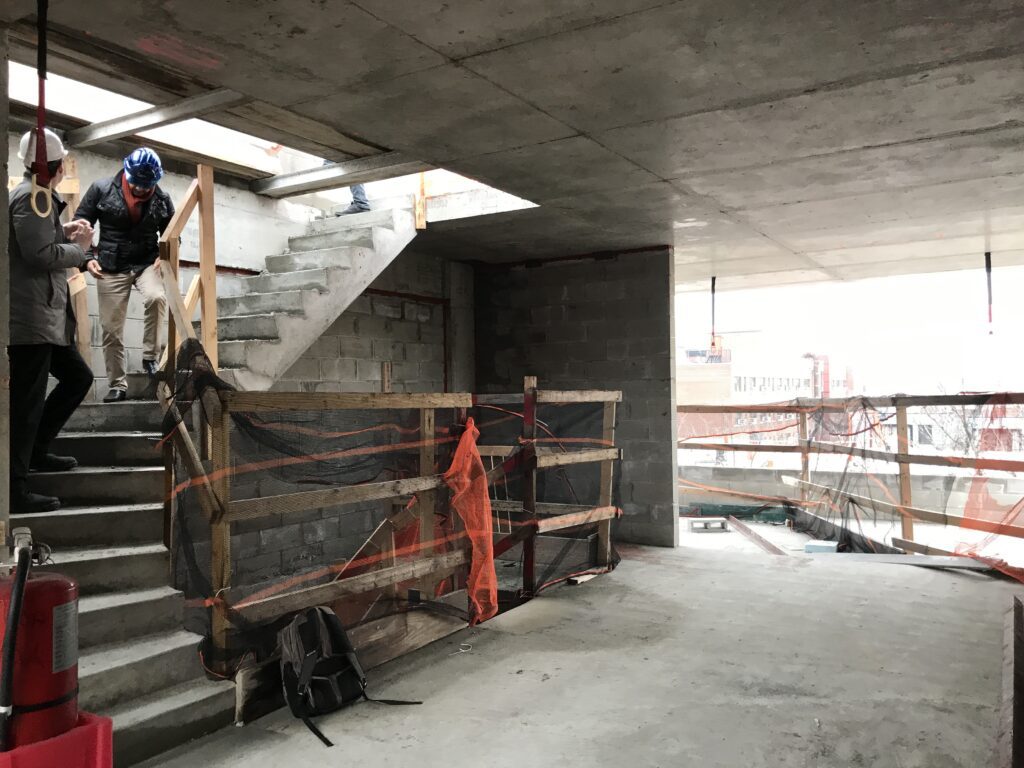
(344, 174)
(165, 114)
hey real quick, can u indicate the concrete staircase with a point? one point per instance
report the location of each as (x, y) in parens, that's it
(136, 663)
(276, 316)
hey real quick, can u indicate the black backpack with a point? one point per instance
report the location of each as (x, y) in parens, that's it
(319, 669)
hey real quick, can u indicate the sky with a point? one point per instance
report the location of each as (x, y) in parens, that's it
(916, 334)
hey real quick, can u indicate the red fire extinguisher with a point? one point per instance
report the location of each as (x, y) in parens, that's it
(39, 662)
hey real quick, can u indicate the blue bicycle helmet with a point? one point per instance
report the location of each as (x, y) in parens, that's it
(142, 168)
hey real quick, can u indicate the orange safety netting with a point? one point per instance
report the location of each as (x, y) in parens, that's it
(470, 498)
(966, 476)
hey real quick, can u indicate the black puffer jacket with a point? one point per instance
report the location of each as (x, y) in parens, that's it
(125, 246)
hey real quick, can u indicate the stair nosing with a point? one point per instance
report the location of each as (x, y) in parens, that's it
(70, 555)
(125, 597)
(179, 638)
(207, 688)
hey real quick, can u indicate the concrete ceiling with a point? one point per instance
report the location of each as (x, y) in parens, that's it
(769, 143)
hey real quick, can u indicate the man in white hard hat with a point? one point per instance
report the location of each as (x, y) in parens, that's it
(43, 326)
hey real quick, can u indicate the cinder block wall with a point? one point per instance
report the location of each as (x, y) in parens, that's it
(595, 324)
(408, 332)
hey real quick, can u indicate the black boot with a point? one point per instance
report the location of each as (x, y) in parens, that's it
(116, 396)
(28, 503)
(149, 366)
(51, 462)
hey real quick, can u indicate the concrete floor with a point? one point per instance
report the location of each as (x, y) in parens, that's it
(684, 658)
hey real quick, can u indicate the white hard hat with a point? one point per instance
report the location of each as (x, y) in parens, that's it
(54, 148)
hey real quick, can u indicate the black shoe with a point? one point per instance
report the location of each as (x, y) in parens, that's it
(149, 366)
(116, 396)
(352, 208)
(51, 462)
(27, 503)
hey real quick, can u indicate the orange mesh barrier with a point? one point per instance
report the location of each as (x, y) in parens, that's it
(468, 481)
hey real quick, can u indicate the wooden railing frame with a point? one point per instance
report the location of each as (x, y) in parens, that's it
(429, 569)
(805, 446)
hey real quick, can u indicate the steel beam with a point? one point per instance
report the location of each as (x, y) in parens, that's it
(343, 174)
(166, 114)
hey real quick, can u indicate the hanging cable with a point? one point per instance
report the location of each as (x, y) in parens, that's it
(988, 279)
(40, 168)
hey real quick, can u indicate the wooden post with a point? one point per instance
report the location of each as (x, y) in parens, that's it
(220, 532)
(530, 482)
(207, 264)
(604, 528)
(169, 254)
(427, 499)
(805, 456)
(902, 449)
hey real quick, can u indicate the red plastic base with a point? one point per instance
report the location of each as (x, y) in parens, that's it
(88, 745)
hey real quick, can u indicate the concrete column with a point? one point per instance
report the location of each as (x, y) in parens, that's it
(5, 368)
(595, 324)
(460, 343)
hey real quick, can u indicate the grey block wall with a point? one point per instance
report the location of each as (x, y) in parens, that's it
(408, 331)
(595, 324)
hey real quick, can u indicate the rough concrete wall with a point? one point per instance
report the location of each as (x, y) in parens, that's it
(5, 370)
(378, 328)
(595, 324)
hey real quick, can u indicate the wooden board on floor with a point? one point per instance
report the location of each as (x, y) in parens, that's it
(927, 561)
(258, 688)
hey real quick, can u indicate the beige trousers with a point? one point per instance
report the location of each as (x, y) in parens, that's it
(113, 292)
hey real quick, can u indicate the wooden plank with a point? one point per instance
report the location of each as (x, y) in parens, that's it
(742, 447)
(258, 687)
(252, 509)
(327, 401)
(175, 305)
(183, 211)
(810, 405)
(192, 296)
(926, 515)
(220, 533)
(529, 484)
(920, 549)
(755, 537)
(903, 447)
(1010, 738)
(549, 460)
(515, 398)
(322, 594)
(576, 519)
(207, 264)
(208, 502)
(169, 260)
(315, 134)
(543, 508)
(579, 396)
(928, 561)
(604, 529)
(428, 498)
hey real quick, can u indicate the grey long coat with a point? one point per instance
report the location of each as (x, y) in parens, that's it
(40, 257)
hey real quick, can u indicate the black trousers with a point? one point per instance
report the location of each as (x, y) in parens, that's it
(35, 418)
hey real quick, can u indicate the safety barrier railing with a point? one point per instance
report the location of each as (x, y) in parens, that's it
(805, 409)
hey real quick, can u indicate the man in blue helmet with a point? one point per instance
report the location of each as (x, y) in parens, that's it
(132, 212)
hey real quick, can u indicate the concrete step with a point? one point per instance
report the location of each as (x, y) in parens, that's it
(117, 616)
(340, 258)
(270, 282)
(357, 236)
(90, 486)
(245, 327)
(246, 380)
(382, 217)
(113, 569)
(113, 674)
(239, 354)
(86, 526)
(127, 449)
(289, 302)
(129, 416)
(152, 724)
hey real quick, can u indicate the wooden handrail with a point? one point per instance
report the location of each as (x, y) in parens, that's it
(810, 405)
(182, 214)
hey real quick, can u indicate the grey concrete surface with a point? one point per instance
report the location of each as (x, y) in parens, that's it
(737, 134)
(683, 658)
